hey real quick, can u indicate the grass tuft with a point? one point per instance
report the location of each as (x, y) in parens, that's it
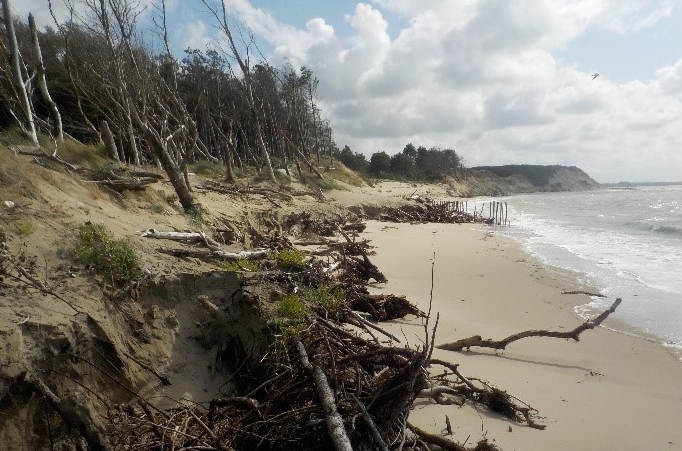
(207, 169)
(96, 247)
(24, 227)
(291, 306)
(290, 260)
(328, 296)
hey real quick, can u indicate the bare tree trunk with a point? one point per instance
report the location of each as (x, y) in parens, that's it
(335, 426)
(134, 153)
(109, 142)
(30, 131)
(246, 71)
(175, 174)
(57, 130)
(312, 107)
(229, 172)
(259, 134)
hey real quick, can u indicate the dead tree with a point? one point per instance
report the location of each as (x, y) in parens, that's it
(57, 130)
(244, 66)
(27, 124)
(109, 141)
(155, 109)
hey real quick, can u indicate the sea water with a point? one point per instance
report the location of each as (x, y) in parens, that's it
(626, 242)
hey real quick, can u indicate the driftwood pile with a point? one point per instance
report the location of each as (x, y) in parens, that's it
(330, 390)
(425, 212)
(326, 385)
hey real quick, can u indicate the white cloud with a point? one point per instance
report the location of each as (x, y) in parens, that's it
(41, 10)
(196, 35)
(481, 76)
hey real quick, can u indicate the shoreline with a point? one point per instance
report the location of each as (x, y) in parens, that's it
(610, 390)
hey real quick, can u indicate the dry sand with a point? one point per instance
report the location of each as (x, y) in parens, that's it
(610, 391)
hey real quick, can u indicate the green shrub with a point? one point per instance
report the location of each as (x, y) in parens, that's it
(96, 247)
(290, 259)
(291, 306)
(330, 297)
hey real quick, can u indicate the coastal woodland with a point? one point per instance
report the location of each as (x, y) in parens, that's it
(167, 233)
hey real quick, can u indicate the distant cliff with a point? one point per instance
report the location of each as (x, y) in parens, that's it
(524, 178)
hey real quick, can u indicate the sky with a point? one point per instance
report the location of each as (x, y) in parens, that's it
(499, 81)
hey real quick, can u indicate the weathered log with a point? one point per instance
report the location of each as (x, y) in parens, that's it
(221, 188)
(587, 293)
(210, 255)
(186, 237)
(502, 344)
(337, 431)
(437, 390)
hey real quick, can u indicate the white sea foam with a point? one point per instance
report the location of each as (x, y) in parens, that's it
(626, 242)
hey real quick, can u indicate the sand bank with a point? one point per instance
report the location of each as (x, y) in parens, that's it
(610, 391)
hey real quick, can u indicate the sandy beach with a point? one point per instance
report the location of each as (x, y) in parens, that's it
(610, 391)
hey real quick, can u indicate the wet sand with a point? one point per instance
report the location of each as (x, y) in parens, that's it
(609, 391)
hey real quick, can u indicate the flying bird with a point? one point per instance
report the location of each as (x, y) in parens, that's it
(595, 75)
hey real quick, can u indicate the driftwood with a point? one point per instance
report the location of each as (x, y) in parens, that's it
(588, 293)
(477, 341)
(382, 307)
(437, 440)
(268, 193)
(185, 237)
(337, 431)
(129, 184)
(210, 255)
(497, 400)
(426, 212)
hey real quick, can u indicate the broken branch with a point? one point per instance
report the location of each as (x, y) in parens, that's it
(502, 344)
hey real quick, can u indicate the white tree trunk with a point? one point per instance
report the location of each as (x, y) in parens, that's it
(335, 426)
(109, 141)
(16, 73)
(57, 130)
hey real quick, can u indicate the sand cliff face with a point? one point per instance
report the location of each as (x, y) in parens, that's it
(503, 180)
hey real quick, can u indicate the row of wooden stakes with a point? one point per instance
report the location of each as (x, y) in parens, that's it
(497, 211)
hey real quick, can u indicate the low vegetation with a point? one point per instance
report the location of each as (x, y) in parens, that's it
(290, 260)
(95, 247)
(24, 227)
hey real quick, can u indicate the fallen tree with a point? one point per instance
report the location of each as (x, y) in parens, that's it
(477, 341)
